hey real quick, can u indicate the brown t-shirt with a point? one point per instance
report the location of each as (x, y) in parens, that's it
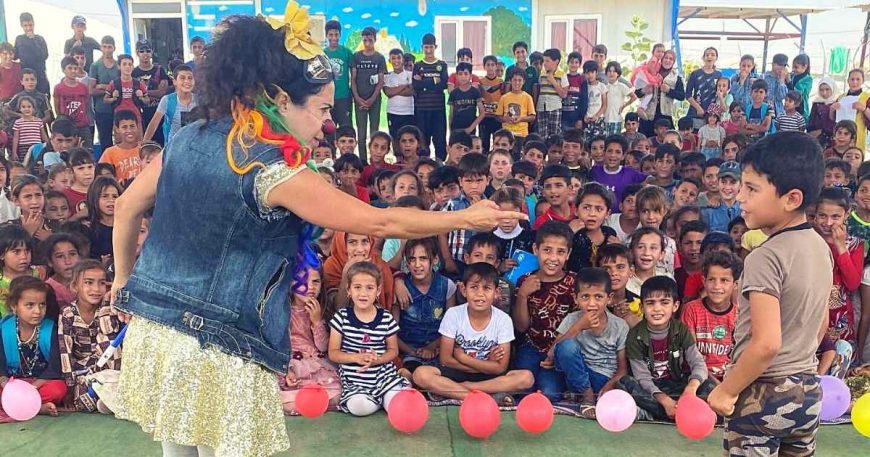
(796, 267)
(547, 308)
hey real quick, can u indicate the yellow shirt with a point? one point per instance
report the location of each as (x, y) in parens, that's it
(516, 105)
(752, 239)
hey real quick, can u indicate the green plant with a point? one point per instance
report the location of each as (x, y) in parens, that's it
(638, 45)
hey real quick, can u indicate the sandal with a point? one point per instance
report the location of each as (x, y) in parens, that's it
(503, 399)
(587, 411)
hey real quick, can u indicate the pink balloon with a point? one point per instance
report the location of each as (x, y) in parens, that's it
(479, 415)
(836, 398)
(312, 401)
(535, 414)
(615, 411)
(20, 400)
(408, 411)
(695, 419)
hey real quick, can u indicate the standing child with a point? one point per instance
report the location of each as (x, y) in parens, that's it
(367, 71)
(802, 82)
(590, 349)
(175, 107)
(665, 362)
(349, 167)
(41, 105)
(759, 114)
(27, 130)
(530, 73)
(82, 163)
(71, 99)
(309, 340)
(124, 156)
(544, 298)
(86, 329)
(593, 120)
(463, 55)
(432, 294)
(691, 235)
(500, 163)
(781, 305)
(400, 94)
(363, 342)
(832, 208)
(611, 173)
(345, 140)
(736, 122)
(341, 58)
(430, 80)
(551, 88)
(101, 73)
(792, 120)
(722, 102)
(491, 87)
(593, 208)
(821, 122)
(845, 133)
(711, 135)
(101, 215)
(127, 92)
(510, 232)
(575, 104)
(516, 109)
(574, 155)
(62, 251)
(711, 319)
(28, 343)
(475, 345)
(617, 91)
(466, 103)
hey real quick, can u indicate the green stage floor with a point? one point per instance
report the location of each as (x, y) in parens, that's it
(81, 435)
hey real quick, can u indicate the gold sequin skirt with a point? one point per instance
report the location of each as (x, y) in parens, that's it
(181, 393)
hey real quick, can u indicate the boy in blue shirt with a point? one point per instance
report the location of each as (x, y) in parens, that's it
(718, 217)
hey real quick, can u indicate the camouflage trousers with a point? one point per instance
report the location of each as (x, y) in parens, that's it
(775, 417)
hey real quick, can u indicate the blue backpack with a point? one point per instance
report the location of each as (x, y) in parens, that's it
(171, 106)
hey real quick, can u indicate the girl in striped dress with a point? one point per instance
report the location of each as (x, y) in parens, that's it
(27, 130)
(363, 341)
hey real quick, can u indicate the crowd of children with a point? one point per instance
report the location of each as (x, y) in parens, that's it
(639, 229)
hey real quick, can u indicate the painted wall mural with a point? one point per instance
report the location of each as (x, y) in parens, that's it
(400, 24)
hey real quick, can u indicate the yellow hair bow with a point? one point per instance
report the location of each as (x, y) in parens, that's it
(297, 26)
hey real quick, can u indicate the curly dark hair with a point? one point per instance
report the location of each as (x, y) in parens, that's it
(247, 56)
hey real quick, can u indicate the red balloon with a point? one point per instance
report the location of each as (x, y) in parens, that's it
(312, 401)
(535, 413)
(408, 411)
(479, 415)
(695, 419)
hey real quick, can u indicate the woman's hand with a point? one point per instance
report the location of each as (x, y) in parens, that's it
(117, 285)
(485, 215)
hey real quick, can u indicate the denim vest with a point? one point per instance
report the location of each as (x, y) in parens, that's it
(215, 265)
(420, 321)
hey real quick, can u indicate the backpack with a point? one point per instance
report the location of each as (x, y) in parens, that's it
(171, 106)
(136, 100)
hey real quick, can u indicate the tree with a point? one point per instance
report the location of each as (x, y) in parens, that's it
(638, 45)
(507, 29)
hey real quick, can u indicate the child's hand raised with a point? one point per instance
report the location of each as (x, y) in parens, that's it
(313, 308)
(33, 222)
(838, 233)
(291, 379)
(530, 285)
(507, 265)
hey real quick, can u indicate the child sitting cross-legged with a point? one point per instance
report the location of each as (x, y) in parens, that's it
(711, 319)
(475, 345)
(431, 295)
(665, 363)
(363, 342)
(86, 328)
(590, 349)
(544, 298)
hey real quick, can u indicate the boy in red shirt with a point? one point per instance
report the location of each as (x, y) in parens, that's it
(127, 92)
(711, 319)
(71, 99)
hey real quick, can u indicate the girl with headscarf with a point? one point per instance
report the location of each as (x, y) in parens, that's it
(821, 123)
(348, 249)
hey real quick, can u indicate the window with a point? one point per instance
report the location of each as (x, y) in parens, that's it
(456, 32)
(573, 33)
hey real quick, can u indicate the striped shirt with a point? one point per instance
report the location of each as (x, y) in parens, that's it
(457, 239)
(358, 337)
(429, 89)
(82, 343)
(29, 131)
(793, 122)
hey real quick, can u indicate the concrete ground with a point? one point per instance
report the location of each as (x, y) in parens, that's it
(94, 435)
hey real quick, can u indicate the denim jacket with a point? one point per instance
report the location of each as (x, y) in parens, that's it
(217, 264)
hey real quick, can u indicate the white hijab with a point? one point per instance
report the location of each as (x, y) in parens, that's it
(833, 85)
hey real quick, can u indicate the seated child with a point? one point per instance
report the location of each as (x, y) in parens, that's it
(28, 342)
(544, 298)
(345, 140)
(363, 342)
(590, 349)
(86, 328)
(62, 252)
(593, 207)
(711, 319)
(16, 247)
(347, 249)
(527, 173)
(510, 232)
(665, 362)
(475, 344)
(652, 206)
(473, 179)
(647, 248)
(444, 183)
(484, 247)
(691, 238)
(626, 221)
(309, 340)
(616, 259)
(349, 167)
(431, 295)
